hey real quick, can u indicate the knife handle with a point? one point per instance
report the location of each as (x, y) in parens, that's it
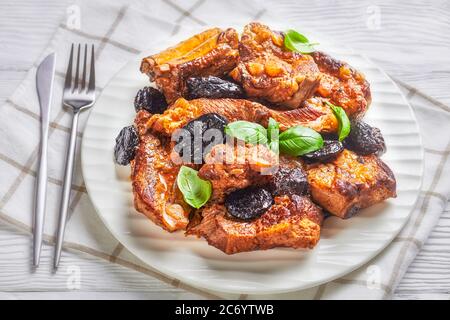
(41, 193)
(68, 175)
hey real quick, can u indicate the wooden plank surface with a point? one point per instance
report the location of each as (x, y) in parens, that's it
(26, 26)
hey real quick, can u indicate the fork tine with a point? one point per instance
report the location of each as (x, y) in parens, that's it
(92, 72)
(83, 79)
(77, 71)
(68, 80)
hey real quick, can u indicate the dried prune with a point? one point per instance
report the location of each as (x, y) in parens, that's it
(150, 99)
(126, 143)
(196, 140)
(365, 139)
(289, 181)
(212, 87)
(330, 149)
(248, 203)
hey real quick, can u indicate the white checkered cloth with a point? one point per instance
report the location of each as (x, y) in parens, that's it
(120, 32)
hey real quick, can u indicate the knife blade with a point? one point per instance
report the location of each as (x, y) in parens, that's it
(44, 83)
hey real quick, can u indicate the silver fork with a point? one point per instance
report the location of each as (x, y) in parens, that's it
(78, 97)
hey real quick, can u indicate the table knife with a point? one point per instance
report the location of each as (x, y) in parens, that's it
(44, 83)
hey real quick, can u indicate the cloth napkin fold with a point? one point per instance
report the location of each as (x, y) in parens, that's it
(120, 32)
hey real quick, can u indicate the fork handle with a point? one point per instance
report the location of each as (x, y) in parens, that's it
(66, 188)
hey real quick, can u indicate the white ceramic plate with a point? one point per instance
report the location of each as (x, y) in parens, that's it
(344, 245)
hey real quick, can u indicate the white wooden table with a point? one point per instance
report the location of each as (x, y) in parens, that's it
(25, 28)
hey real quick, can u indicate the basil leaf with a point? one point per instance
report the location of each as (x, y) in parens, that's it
(273, 131)
(344, 122)
(196, 192)
(298, 140)
(250, 132)
(295, 41)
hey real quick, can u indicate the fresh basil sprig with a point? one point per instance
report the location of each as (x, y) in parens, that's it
(344, 122)
(298, 140)
(196, 192)
(249, 132)
(295, 141)
(295, 41)
(273, 132)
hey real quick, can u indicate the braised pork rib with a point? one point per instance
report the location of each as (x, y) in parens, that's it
(351, 182)
(291, 222)
(212, 52)
(267, 70)
(233, 167)
(314, 114)
(153, 177)
(343, 85)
